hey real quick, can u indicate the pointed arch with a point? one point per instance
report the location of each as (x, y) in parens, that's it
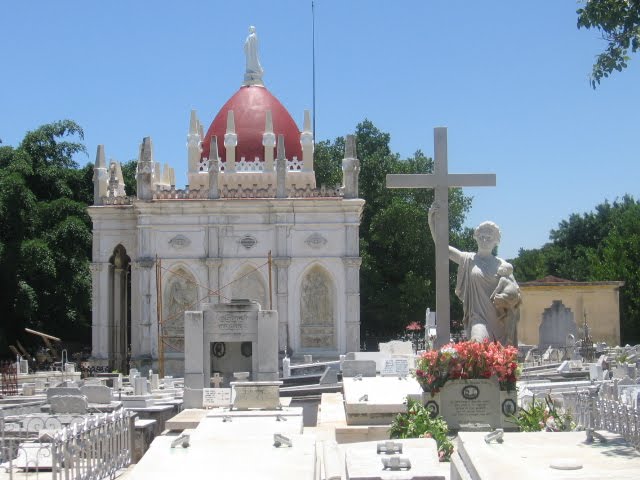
(249, 283)
(318, 302)
(179, 295)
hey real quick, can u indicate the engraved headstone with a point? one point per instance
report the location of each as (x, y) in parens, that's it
(256, 395)
(365, 368)
(155, 381)
(68, 404)
(52, 391)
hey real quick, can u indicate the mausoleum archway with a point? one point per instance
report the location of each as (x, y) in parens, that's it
(248, 283)
(318, 310)
(119, 309)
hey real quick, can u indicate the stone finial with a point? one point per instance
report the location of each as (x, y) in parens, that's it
(350, 147)
(146, 170)
(281, 169)
(194, 142)
(121, 190)
(166, 174)
(100, 177)
(350, 168)
(306, 141)
(100, 160)
(269, 142)
(214, 168)
(230, 143)
(172, 176)
(112, 189)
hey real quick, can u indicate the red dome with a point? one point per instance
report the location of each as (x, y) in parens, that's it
(249, 106)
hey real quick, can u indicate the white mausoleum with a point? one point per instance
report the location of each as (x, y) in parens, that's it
(251, 191)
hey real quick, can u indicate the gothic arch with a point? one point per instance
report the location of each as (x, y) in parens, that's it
(318, 309)
(249, 283)
(179, 295)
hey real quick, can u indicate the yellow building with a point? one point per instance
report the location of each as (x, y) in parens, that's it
(554, 300)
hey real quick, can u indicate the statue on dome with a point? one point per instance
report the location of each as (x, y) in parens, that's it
(253, 73)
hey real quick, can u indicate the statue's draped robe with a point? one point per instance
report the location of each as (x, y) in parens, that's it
(474, 286)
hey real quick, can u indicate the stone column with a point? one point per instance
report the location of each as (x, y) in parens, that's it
(213, 270)
(285, 334)
(100, 301)
(143, 317)
(352, 303)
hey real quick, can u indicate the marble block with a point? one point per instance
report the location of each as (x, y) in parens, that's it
(96, 393)
(64, 391)
(68, 404)
(258, 395)
(377, 400)
(352, 368)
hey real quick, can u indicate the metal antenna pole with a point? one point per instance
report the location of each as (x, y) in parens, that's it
(313, 61)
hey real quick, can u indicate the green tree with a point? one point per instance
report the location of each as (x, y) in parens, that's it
(45, 236)
(619, 23)
(601, 245)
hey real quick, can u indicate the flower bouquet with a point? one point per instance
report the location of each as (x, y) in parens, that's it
(468, 360)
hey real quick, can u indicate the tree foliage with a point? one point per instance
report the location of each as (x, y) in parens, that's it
(601, 245)
(45, 236)
(398, 254)
(619, 23)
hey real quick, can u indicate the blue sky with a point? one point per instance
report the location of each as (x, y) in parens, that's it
(509, 80)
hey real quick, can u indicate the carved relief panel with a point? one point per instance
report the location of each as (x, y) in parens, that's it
(317, 310)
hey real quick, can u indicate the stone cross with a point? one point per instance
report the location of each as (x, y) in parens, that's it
(441, 180)
(216, 380)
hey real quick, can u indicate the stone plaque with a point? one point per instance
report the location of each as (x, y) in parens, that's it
(232, 324)
(470, 401)
(258, 395)
(395, 366)
(216, 397)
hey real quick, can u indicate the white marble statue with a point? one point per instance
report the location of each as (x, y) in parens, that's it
(253, 73)
(491, 308)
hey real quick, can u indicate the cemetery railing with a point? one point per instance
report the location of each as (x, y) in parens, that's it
(597, 413)
(70, 446)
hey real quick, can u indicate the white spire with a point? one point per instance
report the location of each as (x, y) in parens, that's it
(230, 143)
(306, 141)
(268, 142)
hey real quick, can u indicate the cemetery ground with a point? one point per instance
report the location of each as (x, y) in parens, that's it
(365, 415)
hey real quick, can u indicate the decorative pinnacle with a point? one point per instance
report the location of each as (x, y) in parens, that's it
(231, 123)
(307, 121)
(268, 123)
(280, 155)
(146, 152)
(193, 123)
(350, 147)
(100, 161)
(213, 148)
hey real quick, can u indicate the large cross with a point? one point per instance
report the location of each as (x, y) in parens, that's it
(441, 180)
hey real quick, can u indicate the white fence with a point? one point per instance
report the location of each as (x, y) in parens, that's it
(70, 447)
(595, 412)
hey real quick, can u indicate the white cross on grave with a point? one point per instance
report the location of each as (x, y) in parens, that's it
(441, 180)
(217, 380)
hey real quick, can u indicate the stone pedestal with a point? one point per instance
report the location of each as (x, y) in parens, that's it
(465, 403)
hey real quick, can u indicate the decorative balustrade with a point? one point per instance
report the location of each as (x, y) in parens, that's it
(594, 412)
